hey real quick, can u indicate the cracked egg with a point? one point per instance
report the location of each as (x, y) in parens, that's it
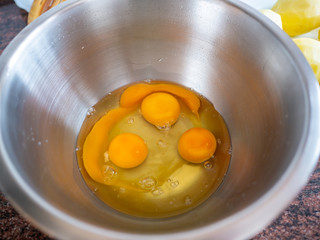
(153, 149)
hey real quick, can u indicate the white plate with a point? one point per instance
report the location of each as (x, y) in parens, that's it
(24, 4)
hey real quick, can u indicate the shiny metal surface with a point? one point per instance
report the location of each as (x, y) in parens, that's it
(69, 58)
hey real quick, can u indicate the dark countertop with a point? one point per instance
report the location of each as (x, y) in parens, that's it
(301, 220)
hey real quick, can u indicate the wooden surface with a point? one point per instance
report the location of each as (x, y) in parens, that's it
(301, 220)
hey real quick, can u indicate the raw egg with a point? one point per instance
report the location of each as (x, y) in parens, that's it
(127, 150)
(197, 145)
(135, 152)
(160, 109)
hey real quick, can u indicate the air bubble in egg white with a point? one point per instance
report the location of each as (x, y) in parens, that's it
(174, 184)
(130, 120)
(122, 190)
(162, 144)
(148, 182)
(91, 111)
(187, 200)
(157, 192)
(106, 157)
(109, 173)
(164, 128)
(208, 164)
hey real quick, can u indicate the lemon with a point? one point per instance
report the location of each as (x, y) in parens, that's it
(314, 34)
(298, 16)
(273, 16)
(311, 50)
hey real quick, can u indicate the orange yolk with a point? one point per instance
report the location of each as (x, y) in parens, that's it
(127, 150)
(197, 145)
(96, 143)
(134, 94)
(160, 109)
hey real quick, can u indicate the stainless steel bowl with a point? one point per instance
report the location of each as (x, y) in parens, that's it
(71, 57)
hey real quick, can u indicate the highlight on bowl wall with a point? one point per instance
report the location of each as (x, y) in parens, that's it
(263, 4)
(259, 4)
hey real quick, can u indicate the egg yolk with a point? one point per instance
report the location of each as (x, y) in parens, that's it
(197, 145)
(96, 142)
(127, 150)
(160, 109)
(134, 94)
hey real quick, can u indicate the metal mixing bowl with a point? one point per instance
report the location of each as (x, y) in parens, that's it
(69, 58)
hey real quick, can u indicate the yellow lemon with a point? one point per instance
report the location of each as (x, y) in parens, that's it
(298, 16)
(311, 50)
(314, 34)
(273, 16)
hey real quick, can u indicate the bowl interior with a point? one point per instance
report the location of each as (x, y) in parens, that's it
(70, 59)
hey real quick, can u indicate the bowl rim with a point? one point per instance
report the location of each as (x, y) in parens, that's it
(42, 214)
